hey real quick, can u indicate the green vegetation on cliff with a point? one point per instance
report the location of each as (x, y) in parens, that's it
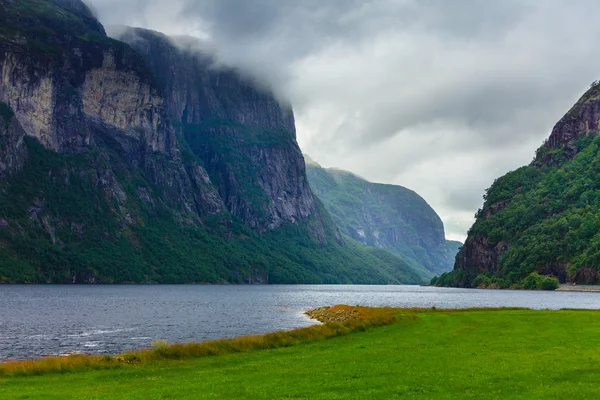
(385, 216)
(41, 26)
(544, 219)
(57, 226)
(426, 354)
(204, 182)
(487, 280)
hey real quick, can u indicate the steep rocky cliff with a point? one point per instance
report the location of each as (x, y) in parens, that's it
(583, 119)
(223, 118)
(543, 217)
(385, 216)
(13, 152)
(119, 166)
(74, 89)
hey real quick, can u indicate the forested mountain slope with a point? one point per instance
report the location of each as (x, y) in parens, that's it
(112, 170)
(389, 217)
(543, 217)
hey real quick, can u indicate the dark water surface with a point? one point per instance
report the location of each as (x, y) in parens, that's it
(42, 320)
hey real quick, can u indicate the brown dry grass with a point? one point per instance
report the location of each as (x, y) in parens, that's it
(338, 320)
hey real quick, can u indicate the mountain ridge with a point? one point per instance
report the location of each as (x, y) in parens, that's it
(385, 216)
(111, 173)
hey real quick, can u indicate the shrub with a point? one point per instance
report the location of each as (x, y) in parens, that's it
(532, 281)
(481, 282)
(549, 283)
(160, 344)
(535, 281)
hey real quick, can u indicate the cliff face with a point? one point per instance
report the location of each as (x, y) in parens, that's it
(13, 152)
(582, 120)
(74, 89)
(542, 217)
(224, 117)
(53, 62)
(119, 166)
(384, 216)
(83, 85)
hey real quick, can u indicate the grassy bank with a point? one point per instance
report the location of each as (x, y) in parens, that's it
(338, 320)
(421, 354)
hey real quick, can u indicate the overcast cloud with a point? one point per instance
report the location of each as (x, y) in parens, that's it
(439, 96)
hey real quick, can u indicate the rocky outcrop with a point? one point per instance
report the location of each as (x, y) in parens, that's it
(13, 152)
(477, 250)
(32, 97)
(385, 216)
(197, 90)
(83, 90)
(123, 101)
(76, 90)
(225, 117)
(582, 120)
(117, 98)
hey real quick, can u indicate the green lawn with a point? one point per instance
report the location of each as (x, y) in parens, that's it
(518, 354)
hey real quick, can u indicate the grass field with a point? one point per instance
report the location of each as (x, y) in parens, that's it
(488, 354)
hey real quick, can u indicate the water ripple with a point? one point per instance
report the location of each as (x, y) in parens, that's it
(38, 320)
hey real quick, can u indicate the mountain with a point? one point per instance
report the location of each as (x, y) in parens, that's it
(454, 246)
(542, 218)
(245, 138)
(384, 216)
(142, 162)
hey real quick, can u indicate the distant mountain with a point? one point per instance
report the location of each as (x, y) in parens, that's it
(389, 217)
(136, 160)
(544, 217)
(454, 247)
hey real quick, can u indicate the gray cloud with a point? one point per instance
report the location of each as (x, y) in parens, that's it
(439, 96)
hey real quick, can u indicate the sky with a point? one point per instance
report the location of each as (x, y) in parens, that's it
(438, 96)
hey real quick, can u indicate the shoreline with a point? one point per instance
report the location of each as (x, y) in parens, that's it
(330, 321)
(409, 358)
(578, 288)
(344, 316)
(339, 314)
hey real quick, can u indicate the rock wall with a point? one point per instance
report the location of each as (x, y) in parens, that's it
(226, 118)
(32, 96)
(76, 90)
(123, 101)
(583, 119)
(12, 147)
(85, 90)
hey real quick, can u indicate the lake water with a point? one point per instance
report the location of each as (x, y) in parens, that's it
(43, 320)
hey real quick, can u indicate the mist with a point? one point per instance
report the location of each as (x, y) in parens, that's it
(441, 97)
